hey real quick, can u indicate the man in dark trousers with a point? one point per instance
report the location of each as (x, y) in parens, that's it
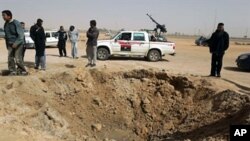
(62, 35)
(24, 45)
(38, 36)
(218, 44)
(14, 36)
(92, 35)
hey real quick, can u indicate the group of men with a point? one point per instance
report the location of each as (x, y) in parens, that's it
(91, 50)
(15, 40)
(15, 43)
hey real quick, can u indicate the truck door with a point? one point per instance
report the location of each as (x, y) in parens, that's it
(139, 44)
(48, 38)
(54, 38)
(122, 44)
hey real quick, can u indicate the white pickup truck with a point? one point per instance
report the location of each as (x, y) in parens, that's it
(134, 43)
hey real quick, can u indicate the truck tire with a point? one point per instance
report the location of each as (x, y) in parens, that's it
(154, 55)
(102, 54)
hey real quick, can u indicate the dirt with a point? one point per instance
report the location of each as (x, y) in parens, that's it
(95, 104)
(124, 99)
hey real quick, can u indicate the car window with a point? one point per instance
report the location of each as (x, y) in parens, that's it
(139, 37)
(124, 36)
(26, 34)
(54, 34)
(47, 35)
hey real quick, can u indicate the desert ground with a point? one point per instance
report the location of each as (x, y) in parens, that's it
(124, 99)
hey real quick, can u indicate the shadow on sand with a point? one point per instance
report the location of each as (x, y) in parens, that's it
(114, 58)
(236, 69)
(218, 127)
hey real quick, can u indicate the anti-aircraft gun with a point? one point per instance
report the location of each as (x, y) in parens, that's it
(159, 28)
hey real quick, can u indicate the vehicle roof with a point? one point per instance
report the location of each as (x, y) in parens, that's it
(134, 31)
(51, 31)
(248, 54)
(44, 31)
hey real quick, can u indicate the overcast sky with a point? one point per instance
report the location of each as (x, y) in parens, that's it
(184, 16)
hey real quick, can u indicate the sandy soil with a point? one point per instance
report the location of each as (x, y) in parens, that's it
(190, 59)
(124, 98)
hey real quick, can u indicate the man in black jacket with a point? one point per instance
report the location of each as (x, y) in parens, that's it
(62, 35)
(92, 35)
(218, 44)
(38, 36)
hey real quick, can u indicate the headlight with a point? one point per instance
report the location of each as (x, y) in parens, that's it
(243, 57)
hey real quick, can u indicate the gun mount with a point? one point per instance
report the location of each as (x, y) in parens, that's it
(159, 27)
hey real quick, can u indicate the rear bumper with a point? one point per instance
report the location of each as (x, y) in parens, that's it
(243, 64)
(30, 45)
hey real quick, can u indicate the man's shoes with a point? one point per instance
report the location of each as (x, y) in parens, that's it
(12, 73)
(88, 65)
(218, 75)
(36, 68)
(23, 73)
(212, 75)
(93, 65)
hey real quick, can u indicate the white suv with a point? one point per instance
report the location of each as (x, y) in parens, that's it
(51, 39)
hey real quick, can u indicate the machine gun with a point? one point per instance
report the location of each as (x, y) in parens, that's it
(159, 28)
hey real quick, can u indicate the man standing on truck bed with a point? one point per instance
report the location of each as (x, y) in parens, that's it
(14, 36)
(92, 35)
(218, 44)
(38, 36)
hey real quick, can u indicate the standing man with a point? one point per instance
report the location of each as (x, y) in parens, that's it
(62, 35)
(38, 36)
(14, 37)
(218, 44)
(73, 37)
(24, 45)
(92, 35)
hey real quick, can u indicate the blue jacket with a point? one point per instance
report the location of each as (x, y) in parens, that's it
(14, 33)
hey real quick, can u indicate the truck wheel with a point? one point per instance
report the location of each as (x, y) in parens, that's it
(154, 55)
(102, 54)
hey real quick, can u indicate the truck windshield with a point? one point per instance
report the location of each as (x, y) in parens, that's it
(115, 35)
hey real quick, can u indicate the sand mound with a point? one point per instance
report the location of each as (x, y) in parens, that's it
(97, 105)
